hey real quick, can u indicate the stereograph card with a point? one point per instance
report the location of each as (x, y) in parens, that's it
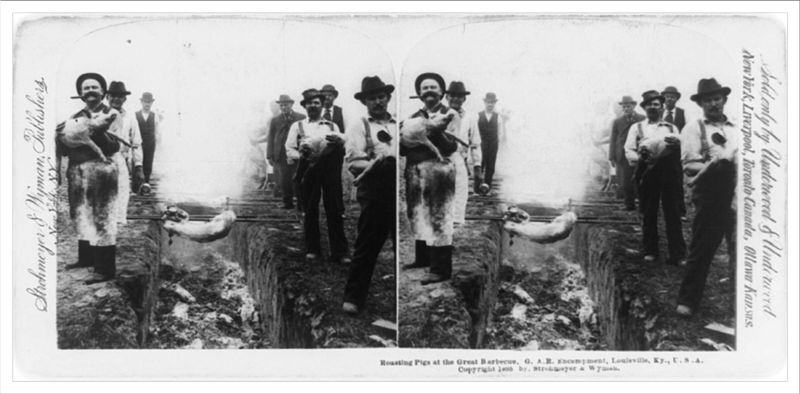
(554, 196)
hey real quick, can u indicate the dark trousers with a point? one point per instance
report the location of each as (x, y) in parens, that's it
(627, 188)
(714, 219)
(489, 154)
(148, 153)
(285, 174)
(661, 184)
(325, 182)
(375, 224)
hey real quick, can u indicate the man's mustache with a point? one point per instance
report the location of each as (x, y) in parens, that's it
(429, 94)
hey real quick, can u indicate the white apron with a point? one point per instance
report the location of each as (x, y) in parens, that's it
(430, 191)
(93, 200)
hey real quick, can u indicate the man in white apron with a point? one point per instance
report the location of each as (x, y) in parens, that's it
(430, 182)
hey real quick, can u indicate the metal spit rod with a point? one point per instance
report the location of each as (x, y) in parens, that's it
(195, 218)
(547, 219)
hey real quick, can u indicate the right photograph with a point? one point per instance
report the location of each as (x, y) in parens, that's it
(569, 183)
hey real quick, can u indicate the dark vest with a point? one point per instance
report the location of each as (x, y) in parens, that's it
(338, 117)
(488, 128)
(147, 127)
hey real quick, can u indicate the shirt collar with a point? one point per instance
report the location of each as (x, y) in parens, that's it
(435, 109)
(390, 120)
(725, 121)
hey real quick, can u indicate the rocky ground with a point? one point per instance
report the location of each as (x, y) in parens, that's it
(202, 299)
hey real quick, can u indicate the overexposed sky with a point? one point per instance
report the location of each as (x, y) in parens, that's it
(558, 79)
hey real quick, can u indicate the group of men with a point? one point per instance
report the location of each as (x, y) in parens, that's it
(99, 186)
(655, 154)
(308, 152)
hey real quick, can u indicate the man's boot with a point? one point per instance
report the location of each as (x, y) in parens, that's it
(421, 256)
(83, 256)
(105, 267)
(441, 265)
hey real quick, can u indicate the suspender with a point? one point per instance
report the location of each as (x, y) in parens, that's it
(704, 149)
(368, 139)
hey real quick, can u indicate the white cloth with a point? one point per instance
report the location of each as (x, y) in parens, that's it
(652, 135)
(312, 130)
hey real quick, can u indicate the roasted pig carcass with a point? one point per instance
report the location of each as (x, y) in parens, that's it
(177, 223)
(517, 224)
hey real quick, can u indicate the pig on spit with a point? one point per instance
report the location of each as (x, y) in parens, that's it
(177, 222)
(517, 224)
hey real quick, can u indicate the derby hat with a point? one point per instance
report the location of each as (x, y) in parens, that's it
(627, 100)
(284, 98)
(117, 88)
(672, 90)
(490, 97)
(371, 85)
(434, 76)
(147, 97)
(329, 88)
(310, 94)
(651, 95)
(97, 77)
(707, 87)
(457, 88)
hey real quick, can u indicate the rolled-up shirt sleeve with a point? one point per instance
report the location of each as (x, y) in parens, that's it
(355, 144)
(292, 148)
(630, 144)
(691, 146)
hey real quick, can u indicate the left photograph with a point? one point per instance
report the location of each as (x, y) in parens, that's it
(224, 183)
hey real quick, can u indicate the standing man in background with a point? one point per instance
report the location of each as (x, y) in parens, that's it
(492, 130)
(377, 196)
(465, 157)
(676, 116)
(276, 150)
(126, 127)
(148, 125)
(333, 113)
(672, 113)
(616, 151)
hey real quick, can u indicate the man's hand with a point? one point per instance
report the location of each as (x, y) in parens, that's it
(334, 139)
(672, 141)
(644, 153)
(138, 178)
(613, 164)
(271, 162)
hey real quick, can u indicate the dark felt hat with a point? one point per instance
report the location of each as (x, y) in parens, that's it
(434, 76)
(672, 90)
(490, 97)
(284, 98)
(370, 85)
(310, 94)
(97, 77)
(706, 87)
(147, 97)
(627, 100)
(457, 88)
(329, 88)
(651, 95)
(117, 88)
